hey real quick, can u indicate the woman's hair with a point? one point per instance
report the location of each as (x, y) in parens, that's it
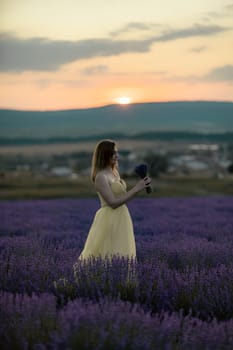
(102, 155)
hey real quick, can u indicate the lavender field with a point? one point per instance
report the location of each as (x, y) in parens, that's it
(178, 295)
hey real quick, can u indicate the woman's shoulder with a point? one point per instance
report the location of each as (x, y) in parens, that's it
(101, 174)
(101, 177)
(104, 175)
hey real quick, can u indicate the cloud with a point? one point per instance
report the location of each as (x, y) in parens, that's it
(226, 11)
(224, 73)
(100, 69)
(171, 34)
(155, 73)
(218, 74)
(134, 26)
(40, 54)
(196, 30)
(229, 7)
(212, 14)
(198, 49)
(45, 83)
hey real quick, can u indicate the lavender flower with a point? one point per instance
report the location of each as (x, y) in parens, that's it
(178, 294)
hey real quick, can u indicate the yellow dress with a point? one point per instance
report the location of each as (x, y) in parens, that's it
(111, 232)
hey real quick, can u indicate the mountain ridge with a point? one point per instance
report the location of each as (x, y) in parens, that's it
(117, 105)
(184, 116)
(146, 136)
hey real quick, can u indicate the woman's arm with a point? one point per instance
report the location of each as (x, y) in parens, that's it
(103, 187)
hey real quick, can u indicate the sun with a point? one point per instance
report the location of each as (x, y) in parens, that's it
(124, 100)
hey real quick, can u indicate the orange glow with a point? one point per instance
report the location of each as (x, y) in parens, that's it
(123, 100)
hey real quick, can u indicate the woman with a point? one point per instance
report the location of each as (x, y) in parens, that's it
(111, 232)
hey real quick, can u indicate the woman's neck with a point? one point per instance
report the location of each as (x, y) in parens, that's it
(112, 171)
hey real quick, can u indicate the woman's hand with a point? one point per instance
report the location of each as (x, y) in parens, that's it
(142, 184)
(102, 186)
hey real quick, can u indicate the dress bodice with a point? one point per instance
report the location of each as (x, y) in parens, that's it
(118, 188)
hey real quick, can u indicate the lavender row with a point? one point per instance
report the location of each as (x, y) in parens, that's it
(36, 323)
(206, 292)
(184, 265)
(210, 217)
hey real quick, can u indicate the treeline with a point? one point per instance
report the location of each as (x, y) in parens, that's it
(145, 136)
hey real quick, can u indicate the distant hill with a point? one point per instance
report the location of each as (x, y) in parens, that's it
(146, 136)
(142, 120)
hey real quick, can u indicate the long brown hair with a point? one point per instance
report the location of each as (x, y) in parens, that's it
(102, 155)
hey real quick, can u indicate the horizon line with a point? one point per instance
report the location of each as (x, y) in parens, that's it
(112, 104)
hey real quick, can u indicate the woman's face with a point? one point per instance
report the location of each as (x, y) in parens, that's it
(115, 157)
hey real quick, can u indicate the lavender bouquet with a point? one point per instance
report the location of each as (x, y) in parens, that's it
(141, 170)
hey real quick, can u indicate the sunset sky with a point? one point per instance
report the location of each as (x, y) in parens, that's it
(62, 54)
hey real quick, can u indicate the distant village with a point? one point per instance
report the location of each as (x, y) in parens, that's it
(175, 159)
